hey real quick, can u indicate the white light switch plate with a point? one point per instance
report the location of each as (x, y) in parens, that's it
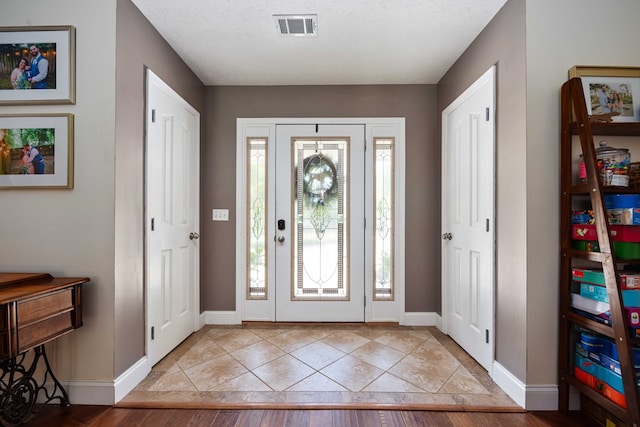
(220, 215)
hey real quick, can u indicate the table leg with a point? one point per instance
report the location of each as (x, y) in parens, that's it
(19, 389)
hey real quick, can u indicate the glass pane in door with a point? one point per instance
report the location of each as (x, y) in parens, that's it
(384, 218)
(320, 210)
(257, 219)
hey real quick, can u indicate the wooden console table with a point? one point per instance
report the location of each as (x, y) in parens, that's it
(35, 308)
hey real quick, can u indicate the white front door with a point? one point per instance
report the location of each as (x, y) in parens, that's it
(467, 219)
(172, 218)
(319, 214)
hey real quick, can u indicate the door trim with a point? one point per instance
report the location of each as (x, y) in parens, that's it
(375, 311)
(487, 77)
(151, 77)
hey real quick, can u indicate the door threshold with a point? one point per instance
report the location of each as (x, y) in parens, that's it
(251, 323)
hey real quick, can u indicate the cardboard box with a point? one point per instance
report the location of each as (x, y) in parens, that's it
(582, 217)
(628, 279)
(630, 298)
(626, 216)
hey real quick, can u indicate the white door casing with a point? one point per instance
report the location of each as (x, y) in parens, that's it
(172, 218)
(265, 310)
(468, 139)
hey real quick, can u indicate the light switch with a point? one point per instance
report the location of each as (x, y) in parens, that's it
(220, 215)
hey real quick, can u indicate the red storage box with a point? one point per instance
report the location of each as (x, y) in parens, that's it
(600, 386)
(619, 233)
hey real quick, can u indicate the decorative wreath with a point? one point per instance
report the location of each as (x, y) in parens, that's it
(320, 178)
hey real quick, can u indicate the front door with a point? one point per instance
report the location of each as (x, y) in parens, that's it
(172, 206)
(319, 214)
(467, 219)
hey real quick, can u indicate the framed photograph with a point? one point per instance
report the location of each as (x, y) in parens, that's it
(37, 65)
(36, 151)
(611, 90)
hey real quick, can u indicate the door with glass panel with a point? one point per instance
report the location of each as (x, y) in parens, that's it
(319, 223)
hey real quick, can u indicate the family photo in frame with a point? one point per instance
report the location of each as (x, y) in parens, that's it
(611, 91)
(37, 65)
(36, 151)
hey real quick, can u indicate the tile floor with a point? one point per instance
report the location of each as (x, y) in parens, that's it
(320, 366)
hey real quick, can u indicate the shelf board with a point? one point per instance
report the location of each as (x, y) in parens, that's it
(585, 190)
(614, 129)
(600, 328)
(597, 256)
(594, 326)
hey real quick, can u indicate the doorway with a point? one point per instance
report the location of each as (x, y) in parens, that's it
(319, 238)
(468, 180)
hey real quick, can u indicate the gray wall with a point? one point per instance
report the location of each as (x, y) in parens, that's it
(138, 45)
(415, 102)
(502, 43)
(70, 232)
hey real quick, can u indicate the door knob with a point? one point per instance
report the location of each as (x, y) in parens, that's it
(281, 239)
(447, 236)
(194, 236)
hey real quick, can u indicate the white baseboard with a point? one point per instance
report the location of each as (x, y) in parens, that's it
(108, 392)
(90, 392)
(515, 388)
(131, 378)
(221, 318)
(542, 397)
(423, 319)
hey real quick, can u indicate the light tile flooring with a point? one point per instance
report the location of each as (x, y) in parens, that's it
(320, 366)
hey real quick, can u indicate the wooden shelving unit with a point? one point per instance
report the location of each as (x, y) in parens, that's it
(576, 121)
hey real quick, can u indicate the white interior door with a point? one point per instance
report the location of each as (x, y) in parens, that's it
(319, 214)
(468, 212)
(172, 212)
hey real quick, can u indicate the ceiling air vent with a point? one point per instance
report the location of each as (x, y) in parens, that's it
(297, 25)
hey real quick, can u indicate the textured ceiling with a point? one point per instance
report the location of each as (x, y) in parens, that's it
(236, 42)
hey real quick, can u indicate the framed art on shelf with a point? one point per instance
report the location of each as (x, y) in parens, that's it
(36, 151)
(37, 65)
(611, 90)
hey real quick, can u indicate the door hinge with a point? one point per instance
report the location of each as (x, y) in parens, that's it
(487, 114)
(486, 336)
(487, 222)
(153, 224)
(365, 300)
(153, 332)
(365, 223)
(153, 116)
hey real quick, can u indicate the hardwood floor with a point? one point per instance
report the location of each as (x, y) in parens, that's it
(105, 416)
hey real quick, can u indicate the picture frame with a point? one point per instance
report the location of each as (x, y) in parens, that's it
(54, 57)
(36, 151)
(611, 90)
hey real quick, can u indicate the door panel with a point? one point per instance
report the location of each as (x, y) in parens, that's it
(172, 218)
(468, 186)
(320, 180)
